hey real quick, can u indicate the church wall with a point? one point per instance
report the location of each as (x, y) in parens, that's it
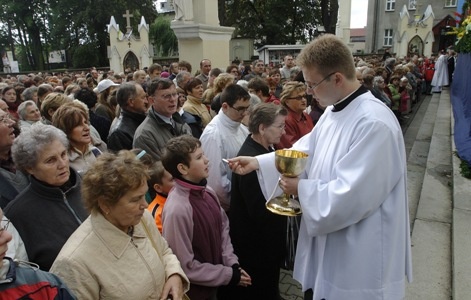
(389, 19)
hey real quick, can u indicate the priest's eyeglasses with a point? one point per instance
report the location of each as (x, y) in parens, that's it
(312, 87)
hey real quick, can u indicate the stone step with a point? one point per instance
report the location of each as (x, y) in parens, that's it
(431, 235)
(417, 140)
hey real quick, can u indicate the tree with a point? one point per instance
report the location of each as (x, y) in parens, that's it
(44, 25)
(165, 39)
(278, 21)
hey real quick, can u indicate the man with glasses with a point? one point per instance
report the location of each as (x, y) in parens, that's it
(163, 121)
(223, 137)
(354, 239)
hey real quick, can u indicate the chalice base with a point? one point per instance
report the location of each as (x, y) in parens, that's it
(280, 206)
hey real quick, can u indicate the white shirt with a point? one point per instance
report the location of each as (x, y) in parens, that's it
(222, 138)
(354, 240)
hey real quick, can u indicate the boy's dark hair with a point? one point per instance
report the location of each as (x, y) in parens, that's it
(156, 173)
(232, 93)
(177, 151)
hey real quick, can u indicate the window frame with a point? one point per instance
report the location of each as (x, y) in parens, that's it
(412, 5)
(388, 38)
(451, 3)
(390, 5)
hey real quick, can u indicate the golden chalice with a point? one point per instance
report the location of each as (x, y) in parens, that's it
(290, 163)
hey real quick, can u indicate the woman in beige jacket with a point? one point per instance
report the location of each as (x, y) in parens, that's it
(118, 253)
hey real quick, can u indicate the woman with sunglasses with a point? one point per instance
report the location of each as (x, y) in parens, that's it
(298, 122)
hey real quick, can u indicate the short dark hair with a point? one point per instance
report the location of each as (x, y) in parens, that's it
(177, 151)
(232, 93)
(125, 92)
(158, 84)
(215, 72)
(185, 64)
(259, 84)
(191, 84)
(153, 67)
(87, 96)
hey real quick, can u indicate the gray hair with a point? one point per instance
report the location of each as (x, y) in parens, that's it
(377, 79)
(22, 108)
(181, 76)
(29, 144)
(29, 92)
(125, 92)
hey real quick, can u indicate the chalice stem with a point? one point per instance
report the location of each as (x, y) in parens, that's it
(285, 200)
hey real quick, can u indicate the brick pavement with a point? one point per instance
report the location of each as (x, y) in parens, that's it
(290, 289)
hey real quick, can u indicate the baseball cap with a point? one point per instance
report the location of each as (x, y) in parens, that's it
(103, 85)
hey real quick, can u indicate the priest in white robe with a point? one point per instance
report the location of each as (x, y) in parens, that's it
(354, 240)
(440, 77)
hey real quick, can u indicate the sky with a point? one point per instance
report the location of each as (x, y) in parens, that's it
(359, 13)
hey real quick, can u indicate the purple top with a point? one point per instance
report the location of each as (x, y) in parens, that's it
(197, 229)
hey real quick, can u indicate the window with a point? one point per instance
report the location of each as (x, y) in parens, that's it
(412, 4)
(450, 3)
(390, 5)
(388, 37)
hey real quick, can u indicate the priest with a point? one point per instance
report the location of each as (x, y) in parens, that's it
(354, 240)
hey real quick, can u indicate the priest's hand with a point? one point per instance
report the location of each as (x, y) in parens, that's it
(243, 164)
(289, 185)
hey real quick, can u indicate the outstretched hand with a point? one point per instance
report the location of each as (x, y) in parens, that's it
(243, 164)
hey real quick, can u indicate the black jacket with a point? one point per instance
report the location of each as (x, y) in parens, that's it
(45, 217)
(122, 133)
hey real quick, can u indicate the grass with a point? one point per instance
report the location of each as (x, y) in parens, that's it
(465, 167)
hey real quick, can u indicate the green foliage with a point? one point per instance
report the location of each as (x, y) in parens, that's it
(273, 21)
(163, 36)
(465, 167)
(86, 56)
(65, 25)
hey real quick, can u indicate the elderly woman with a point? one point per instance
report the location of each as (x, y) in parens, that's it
(298, 122)
(378, 90)
(30, 93)
(195, 107)
(29, 114)
(118, 253)
(72, 118)
(258, 236)
(49, 210)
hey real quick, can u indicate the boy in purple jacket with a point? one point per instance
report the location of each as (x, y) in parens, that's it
(195, 225)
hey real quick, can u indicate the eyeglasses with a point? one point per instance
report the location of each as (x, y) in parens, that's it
(312, 87)
(280, 127)
(6, 119)
(170, 96)
(299, 98)
(241, 109)
(4, 227)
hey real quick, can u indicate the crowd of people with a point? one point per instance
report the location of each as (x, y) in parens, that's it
(153, 183)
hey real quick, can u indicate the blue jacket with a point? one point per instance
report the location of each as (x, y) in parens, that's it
(23, 281)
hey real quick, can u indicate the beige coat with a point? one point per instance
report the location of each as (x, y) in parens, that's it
(195, 107)
(99, 261)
